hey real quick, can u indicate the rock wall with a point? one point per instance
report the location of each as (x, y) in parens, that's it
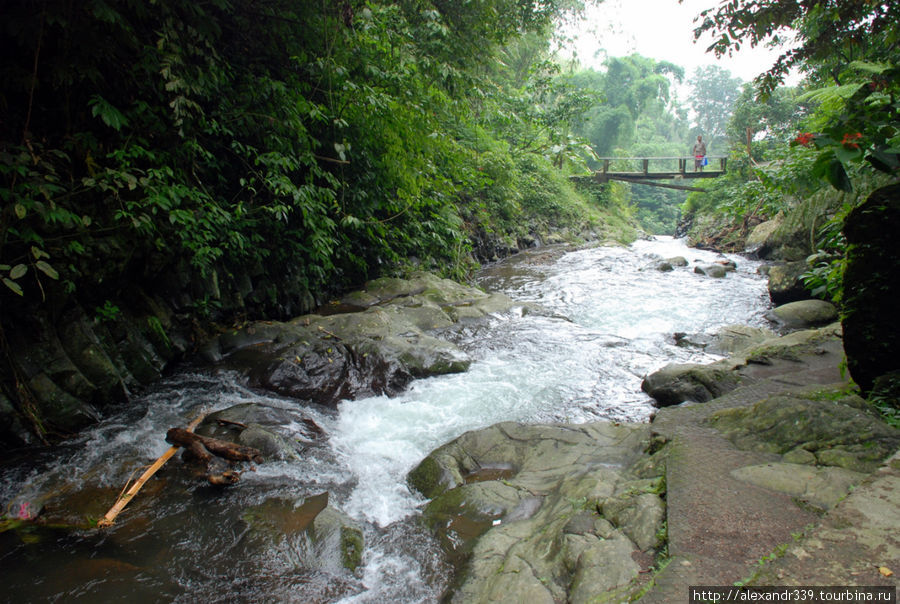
(70, 362)
(80, 353)
(871, 288)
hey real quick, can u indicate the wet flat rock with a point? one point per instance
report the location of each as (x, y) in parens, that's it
(369, 343)
(699, 383)
(545, 513)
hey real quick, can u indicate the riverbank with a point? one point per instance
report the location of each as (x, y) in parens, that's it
(779, 481)
(609, 314)
(559, 486)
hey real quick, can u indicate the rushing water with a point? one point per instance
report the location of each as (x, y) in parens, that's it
(610, 322)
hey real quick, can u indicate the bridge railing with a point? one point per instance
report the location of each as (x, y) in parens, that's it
(667, 165)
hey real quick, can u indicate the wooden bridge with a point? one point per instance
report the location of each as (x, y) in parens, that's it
(638, 169)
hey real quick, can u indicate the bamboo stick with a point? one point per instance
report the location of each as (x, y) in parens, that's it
(125, 498)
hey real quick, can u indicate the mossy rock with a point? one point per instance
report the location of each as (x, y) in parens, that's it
(674, 384)
(792, 346)
(515, 506)
(785, 284)
(349, 353)
(640, 515)
(871, 287)
(760, 240)
(716, 271)
(833, 425)
(428, 478)
(604, 571)
(804, 314)
(822, 486)
(463, 514)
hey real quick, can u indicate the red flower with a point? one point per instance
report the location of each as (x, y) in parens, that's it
(849, 140)
(804, 138)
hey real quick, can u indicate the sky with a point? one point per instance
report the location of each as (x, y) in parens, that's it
(661, 30)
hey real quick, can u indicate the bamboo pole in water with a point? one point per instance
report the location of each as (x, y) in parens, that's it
(126, 497)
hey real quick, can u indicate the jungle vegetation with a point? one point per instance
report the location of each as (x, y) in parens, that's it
(812, 152)
(331, 141)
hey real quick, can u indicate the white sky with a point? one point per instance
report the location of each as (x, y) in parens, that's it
(661, 30)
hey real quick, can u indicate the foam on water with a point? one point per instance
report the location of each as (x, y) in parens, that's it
(538, 368)
(609, 321)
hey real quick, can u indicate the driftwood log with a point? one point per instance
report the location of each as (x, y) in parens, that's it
(128, 493)
(204, 447)
(211, 452)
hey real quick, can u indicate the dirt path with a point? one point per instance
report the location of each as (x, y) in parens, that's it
(723, 529)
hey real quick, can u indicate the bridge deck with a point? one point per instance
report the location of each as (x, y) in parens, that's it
(637, 170)
(665, 168)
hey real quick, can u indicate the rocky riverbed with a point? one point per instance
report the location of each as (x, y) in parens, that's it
(764, 447)
(423, 439)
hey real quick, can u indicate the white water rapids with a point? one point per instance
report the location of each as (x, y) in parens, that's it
(611, 321)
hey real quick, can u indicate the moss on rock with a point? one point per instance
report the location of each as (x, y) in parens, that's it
(426, 478)
(833, 425)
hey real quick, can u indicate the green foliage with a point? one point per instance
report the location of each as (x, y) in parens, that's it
(829, 33)
(107, 313)
(713, 95)
(860, 122)
(848, 48)
(634, 114)
(826, 273)
(328, 141)
(629, 88)
(888, 408)
(771, 121)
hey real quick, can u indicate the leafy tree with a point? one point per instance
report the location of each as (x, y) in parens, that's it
(629, 87)
(848, 48)
(830, 34)
(328, 137)
(713, 94)
(771, 121)
(635, 114)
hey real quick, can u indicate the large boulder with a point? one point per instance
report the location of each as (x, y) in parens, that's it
(785, 237)
(761, 241)
(544, 513)
(871, 287)
(677, 383)
(369, 343)
(785, 284)
(790, 347)
(804, 314)
(835, 426)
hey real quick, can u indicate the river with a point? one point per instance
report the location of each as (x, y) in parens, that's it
(611, 321)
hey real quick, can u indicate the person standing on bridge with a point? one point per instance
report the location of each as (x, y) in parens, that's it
(699, 153)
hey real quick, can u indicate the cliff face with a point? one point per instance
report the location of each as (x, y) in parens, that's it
(69, 359)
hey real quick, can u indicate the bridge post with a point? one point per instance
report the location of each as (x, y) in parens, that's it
(723, 160)
(605, 166)
(682, 163)
(646, 163)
